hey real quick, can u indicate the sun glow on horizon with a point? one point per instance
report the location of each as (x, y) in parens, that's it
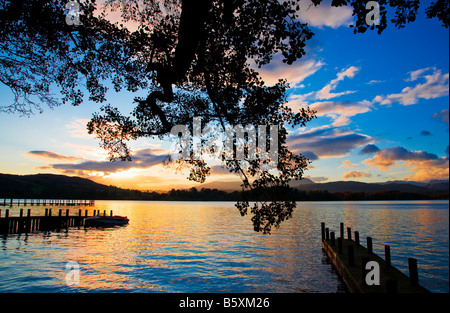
(382, 114)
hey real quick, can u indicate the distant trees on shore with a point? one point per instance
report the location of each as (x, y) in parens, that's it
(205, 194)
(62, 187)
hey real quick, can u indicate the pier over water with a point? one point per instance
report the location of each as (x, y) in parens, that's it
(45, 202)
(49, 222)
(362, 270)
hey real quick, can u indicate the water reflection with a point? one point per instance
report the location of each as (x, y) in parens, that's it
(209, 247)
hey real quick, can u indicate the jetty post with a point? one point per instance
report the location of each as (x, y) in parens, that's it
(332, 240)
(387, 255)
(322, 226)
(357, 238)
(26, 223)
(413, 273)
(350, 258)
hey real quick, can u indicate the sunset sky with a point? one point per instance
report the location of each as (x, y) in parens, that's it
(382, 103)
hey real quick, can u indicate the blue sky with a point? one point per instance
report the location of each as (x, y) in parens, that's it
(388, 90)
(382, 103)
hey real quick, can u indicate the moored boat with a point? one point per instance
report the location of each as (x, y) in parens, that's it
(105, 220)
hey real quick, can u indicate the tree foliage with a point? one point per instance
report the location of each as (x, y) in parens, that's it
(192, 57)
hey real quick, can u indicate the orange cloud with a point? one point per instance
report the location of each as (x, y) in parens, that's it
(141, 159)
(388, 157)
(356, 174)
(428, 170)
(52, 155)
(348, 164)
(422, 165)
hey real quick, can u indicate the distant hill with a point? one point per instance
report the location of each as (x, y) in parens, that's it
(236, 185)
(442, 185)
(49, 186)
(307, 184)
(353, 186)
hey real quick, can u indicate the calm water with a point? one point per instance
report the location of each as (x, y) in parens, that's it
(209, 247)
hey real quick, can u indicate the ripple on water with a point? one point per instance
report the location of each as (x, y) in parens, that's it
(209, 247)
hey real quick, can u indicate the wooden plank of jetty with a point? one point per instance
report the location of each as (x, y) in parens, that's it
(60, 202)
(354, 263)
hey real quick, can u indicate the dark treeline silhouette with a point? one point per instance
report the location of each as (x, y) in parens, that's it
(47, 186)
(294, 194)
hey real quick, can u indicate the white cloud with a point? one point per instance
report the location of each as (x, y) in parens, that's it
(339, 111)
(340, 120)
(342, 108)
(325, 15)
(297, 101)
(295, 74)
(442, 115)
(435, 86)
(375, 81)
(78, 129)
(328, 142)
(326, 91)
(414, 75)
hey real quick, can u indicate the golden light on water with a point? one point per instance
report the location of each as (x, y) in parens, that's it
(209, 247)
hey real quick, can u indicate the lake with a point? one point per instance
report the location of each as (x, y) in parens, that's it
(208, 247)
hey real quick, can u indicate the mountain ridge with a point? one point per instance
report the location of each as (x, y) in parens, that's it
(49, 186)
(348, 186)
(72, 187)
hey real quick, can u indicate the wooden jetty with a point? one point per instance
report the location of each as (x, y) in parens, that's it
(351, 259)
(48, 222)
(46, 202)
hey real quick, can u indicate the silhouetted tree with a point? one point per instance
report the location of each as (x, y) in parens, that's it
(193, 58)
